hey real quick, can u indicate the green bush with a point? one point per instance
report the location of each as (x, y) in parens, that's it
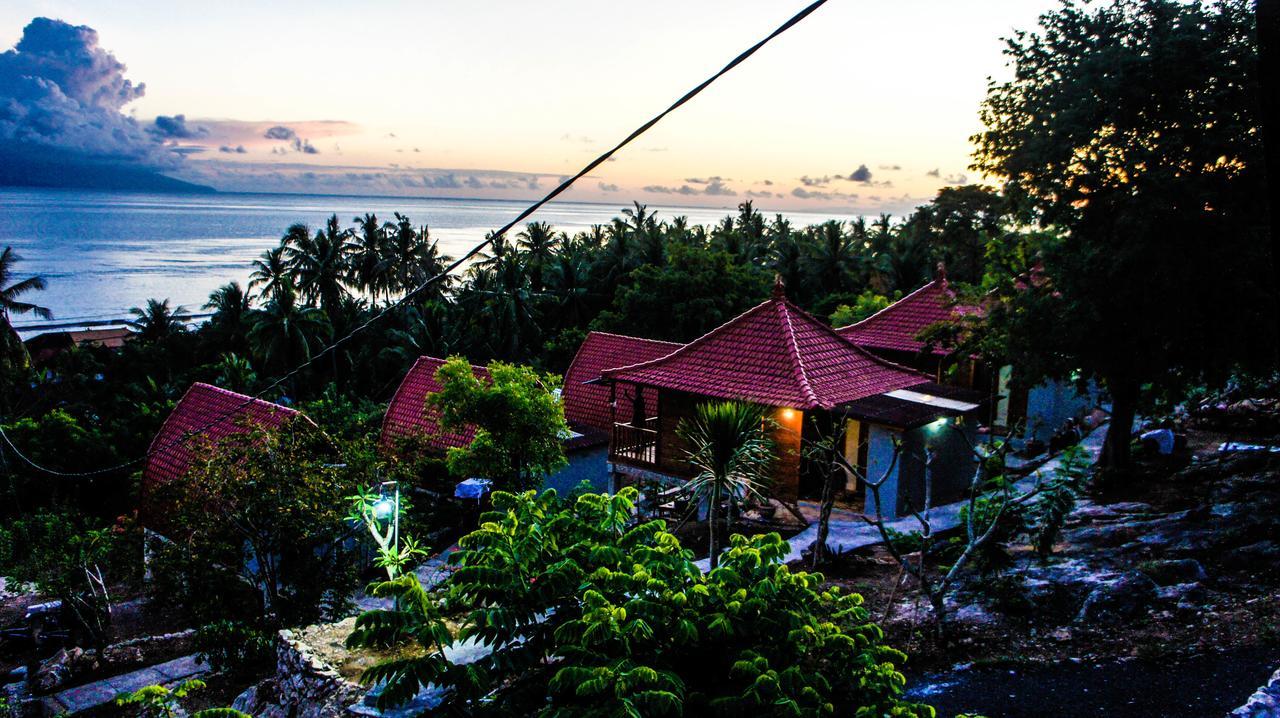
(590, 613)
(235, 648)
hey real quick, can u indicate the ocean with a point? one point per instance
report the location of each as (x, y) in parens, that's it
(105, 252)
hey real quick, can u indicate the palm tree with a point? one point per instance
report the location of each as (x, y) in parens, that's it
(157, 320)
(319, 264)
(13, 348)
(538, 242)
(284, 333)
(730, 454)
(9, 293)
(230, 306)
(369, 260)
(235, 373)
(833, 259)
(270, 273)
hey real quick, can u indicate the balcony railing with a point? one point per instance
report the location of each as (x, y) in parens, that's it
(636, 444)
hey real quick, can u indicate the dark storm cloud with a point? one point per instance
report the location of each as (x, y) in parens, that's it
(176, 127)
(61, 102)
(862, 175)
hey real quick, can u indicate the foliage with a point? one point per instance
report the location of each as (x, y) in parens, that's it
(380, 516)
(1047, 514)
(161, 702)
(865, 305)
(1133, 128)
(67, 557)
(730, 455)
(591, 613)
(265, 509)
(520, 422)
(235, 647)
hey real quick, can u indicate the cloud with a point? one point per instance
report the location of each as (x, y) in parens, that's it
(608, 187)
(767, 183)
(861, 175)
(802, 193)
(759, 194)
(583, 139)
(474, 182)
(717, 188)
(61, 108)
(238, 149)
(933, 173)
(280, 132)
(808, 181)
(956, 179)
(304, 146)
(176, 127)
(890, 168)
(445, 181)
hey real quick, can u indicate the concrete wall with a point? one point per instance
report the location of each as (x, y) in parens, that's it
(1051, 403)
(951, 472)
(590, 465)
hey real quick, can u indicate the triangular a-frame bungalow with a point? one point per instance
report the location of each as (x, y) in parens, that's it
(778, 356)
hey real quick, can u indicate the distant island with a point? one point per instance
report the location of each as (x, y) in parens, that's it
(63, 170)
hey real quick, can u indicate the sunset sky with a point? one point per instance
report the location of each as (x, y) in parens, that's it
(866, 106)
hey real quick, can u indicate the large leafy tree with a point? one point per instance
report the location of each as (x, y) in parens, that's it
(1133, 127)
(520, 422)
(10, 291)
(588, 612)
(158, 320)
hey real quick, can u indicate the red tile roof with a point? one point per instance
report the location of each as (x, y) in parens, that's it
(409, 416)
(587, 405)
(774, 354)
(896, 326)
(204, 413)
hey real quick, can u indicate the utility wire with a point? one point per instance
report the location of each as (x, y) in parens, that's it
(559, 189)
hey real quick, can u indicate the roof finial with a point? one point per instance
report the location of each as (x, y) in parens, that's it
(941, 276)
(779, 287)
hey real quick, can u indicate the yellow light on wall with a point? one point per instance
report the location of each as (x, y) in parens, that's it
(787, 414)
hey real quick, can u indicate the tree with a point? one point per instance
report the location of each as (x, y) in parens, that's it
(319, 265)
(538, 243)
(519, 422)
(158, 321)
(695, 291)
(731, 457)
(10, 304)
(589, 612)
(285, 333)
(266, 507)
(868, 303)
(230, 321)
(270, 273)
(1134, 126)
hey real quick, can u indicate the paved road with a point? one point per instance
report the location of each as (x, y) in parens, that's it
(92, 695)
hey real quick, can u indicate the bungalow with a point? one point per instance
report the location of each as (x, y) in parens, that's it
(811, 380)
(205, 413)
(410, 418)
(45, 347)
(894, 334)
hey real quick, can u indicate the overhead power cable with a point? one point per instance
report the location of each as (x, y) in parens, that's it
(556, 192)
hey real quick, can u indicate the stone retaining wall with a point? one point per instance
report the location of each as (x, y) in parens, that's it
(1265, 703)
(304, 686)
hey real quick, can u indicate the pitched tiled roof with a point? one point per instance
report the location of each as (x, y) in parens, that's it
(896, 326)
(409, 416)
(587, 405)
(205, 413)
(774, 354)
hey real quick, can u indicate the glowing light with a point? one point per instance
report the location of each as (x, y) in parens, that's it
(937, 424)
(787, 414)
(384, 507)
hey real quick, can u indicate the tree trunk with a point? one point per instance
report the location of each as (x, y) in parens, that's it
(824, 519)
(711, 524)
(1124, 406)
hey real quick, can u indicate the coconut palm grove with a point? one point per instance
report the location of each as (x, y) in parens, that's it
(1007, 445)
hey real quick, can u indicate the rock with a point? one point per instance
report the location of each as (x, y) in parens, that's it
(1128, 596)
(1265, 703)
(1263, 554)
(974, 614)
(1169, 572)
(56, 670)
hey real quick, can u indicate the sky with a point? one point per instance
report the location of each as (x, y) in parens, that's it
(866, 106)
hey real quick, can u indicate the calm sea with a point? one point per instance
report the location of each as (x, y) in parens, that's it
(103, 253)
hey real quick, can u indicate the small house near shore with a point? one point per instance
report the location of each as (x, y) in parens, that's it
(894, 334)
(812, 381)
(43, 348)
(411, 420)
